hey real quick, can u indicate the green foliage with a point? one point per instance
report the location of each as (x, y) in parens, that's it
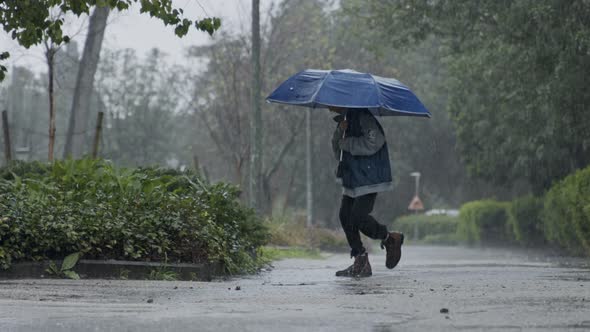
(124, 274)
(566, 213)
(32, 22)
(104, 212)
(484, 221)
(66, 267)
(3, 69)
(438, 225)
(162, 273)
(18, 168)
(515, 75)
(525, 219)
(70, 261)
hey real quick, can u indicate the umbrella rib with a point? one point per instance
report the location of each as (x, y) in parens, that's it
(381, 105)
(319, 88)
(378, 92)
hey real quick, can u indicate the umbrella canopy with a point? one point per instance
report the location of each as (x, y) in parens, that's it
(350, 89)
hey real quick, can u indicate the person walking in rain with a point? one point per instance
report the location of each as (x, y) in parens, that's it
(359, 145)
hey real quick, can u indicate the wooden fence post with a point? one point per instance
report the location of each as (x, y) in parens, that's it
(97, 135)
(7, 145)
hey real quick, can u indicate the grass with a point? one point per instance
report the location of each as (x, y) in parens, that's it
(277, 253)
(290, 231)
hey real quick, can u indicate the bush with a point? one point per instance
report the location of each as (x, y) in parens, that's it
(484, 221)
(105, 212)
(566, 213)
(525, 220)
(23, 169)
(427, 226)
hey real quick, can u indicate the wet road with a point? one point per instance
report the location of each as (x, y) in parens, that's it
(482, 290)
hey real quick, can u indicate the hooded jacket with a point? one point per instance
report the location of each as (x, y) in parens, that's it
(365, 158)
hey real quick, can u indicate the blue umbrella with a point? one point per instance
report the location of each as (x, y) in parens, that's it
(350, 89)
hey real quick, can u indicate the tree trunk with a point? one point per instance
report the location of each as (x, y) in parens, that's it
(76, 138)
(50, 56)
(256, 117)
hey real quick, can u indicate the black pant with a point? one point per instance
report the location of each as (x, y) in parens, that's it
(354, 217)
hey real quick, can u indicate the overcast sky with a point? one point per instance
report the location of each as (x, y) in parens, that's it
(132, 30)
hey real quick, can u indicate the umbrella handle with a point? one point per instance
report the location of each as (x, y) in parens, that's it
(343, 136)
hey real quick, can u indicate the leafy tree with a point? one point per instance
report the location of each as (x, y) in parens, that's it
(141, 125)
(222, 100)
(32, 22)
(515, 82)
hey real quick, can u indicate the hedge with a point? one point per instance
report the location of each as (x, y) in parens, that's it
(566, 213)
(434, 227)
(48, 211)
(484, 221)
(525, 220)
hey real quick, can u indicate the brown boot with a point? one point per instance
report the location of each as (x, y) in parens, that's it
(393, 245)
(361, 268)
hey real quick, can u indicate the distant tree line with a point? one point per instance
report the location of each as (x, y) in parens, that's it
(507, 100)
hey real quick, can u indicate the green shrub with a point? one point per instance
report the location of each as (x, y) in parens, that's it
(566, 213)
(427, 225)
(525, 220)
(105, 212)
(484, 221)
(22, 169)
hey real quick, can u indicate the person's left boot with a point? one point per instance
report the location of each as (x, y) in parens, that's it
(361, 268)
(393, 244)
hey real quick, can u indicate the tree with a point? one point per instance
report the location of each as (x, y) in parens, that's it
(32, 22)
(516, 69)
(143, 119)
(85, 84)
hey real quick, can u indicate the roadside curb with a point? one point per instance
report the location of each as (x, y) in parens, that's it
(114, 269)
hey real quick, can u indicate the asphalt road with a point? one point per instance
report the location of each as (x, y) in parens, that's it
(481, 289)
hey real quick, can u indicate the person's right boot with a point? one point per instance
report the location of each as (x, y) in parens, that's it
(393, 245)
(361, 268)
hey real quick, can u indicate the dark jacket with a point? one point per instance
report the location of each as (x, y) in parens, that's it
(365, 160)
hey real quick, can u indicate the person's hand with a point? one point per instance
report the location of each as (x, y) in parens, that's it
(343, 125)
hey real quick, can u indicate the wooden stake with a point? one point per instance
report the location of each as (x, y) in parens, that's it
(50, 56)
(7, 146)
(97, 135)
